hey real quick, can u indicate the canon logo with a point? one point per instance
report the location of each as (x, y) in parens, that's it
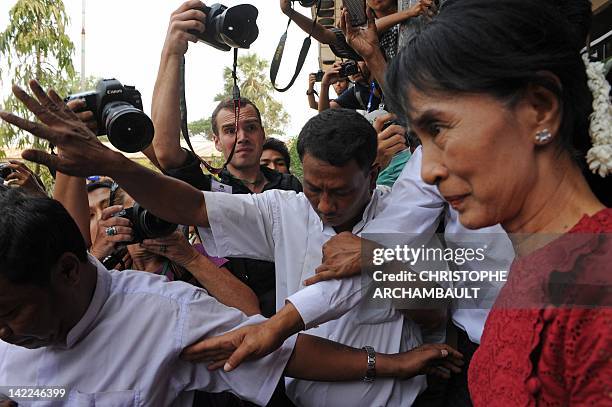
(113, 91)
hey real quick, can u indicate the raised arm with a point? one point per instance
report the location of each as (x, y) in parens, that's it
(83, 155)
(386, 22)
(165, 109)
(319, 33)
(365, 43)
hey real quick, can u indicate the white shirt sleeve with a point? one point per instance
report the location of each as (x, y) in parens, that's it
(240, 225)
(253, 380)
(414, 207)
(327, 300)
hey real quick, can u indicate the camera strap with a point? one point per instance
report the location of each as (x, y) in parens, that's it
(183, 109)
(278, 54)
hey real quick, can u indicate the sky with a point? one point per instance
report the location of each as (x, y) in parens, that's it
(124, 39)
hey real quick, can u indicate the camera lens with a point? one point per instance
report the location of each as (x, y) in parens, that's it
(128, 128)
(153, 227)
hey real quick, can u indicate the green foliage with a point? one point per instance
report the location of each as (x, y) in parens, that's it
(255, 85)
(296, 164)
(35, 46)
(201, 127)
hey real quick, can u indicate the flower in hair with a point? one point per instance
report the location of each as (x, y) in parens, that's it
(599, 157)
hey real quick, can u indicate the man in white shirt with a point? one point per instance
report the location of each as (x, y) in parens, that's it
(337, 149)
(38, 322)
(114, 338)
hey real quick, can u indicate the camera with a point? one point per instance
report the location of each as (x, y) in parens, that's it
(318, 75)
(145, 225)
(5, 170)
(119, 115)
(348, 68)
(227, 28)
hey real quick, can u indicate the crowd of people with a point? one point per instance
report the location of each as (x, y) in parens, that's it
(483, 130)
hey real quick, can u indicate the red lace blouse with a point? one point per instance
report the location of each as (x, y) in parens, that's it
(555, 354)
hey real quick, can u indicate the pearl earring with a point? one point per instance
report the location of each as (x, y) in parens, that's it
(543, 136)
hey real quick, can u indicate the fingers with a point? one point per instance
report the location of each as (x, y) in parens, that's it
(217, 365)
(19, 167)
(59, 102)
(239, 356)
(45, 101)
(37, 129)
(209, 346)
(320, 276)
(42, 113)
(189, 5)
(380, 121)
(40, 157)
(450, 351)
(108, 213)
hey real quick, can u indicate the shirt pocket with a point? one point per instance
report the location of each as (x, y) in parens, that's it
(127, 398)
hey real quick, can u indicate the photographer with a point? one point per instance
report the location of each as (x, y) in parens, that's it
(340, 86)
(16, 174)
(243, 174)
(362, 94)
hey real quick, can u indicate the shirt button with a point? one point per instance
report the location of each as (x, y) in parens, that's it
(533, 385)
(549, 313)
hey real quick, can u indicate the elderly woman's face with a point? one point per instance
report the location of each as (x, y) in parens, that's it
(478, 152)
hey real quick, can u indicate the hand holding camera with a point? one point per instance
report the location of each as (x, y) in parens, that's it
(332, 75)
(185, 23)
(16, 174)
(364, 40)
(391, 138)
(111, 231)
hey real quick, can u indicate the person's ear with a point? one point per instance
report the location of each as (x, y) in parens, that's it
(541, 108)
(218, 144)
(66, 271)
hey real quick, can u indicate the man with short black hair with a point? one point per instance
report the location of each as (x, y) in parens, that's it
(276, 156)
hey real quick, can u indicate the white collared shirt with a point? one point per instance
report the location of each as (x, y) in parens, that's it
(125, 349)
(281, 226)
(414, 210)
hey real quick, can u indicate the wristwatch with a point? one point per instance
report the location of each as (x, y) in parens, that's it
(371, 372)
(310, 92)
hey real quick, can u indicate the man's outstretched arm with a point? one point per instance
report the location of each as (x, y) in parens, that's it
(84, 155)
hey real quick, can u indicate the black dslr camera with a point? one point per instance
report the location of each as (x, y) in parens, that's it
(118, 112)
(145, 225)
(318, 75)
(348, 68)
(227, 28)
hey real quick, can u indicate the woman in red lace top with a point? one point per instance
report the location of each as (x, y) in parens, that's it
(498, 94)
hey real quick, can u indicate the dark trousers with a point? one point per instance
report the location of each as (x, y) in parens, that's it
(451, 392)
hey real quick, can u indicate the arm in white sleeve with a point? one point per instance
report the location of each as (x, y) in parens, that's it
(240, 225)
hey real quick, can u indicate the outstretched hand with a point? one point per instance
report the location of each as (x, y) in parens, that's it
(364, 40)
(233, 348)
(433, 359)
(81, 153)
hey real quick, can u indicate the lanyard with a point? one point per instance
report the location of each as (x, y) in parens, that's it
(371, 98)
